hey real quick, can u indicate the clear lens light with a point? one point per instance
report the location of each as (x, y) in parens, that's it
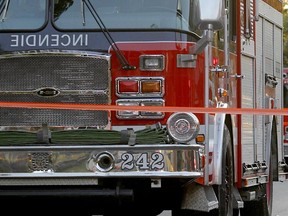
(127, 113)
(152, 63)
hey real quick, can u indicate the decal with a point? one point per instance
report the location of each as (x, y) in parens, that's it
(142, 161)
(53, 40)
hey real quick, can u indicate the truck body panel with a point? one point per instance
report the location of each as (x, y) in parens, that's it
(97, 98)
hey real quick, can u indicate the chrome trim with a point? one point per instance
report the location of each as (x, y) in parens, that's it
(7, 179)
(79, 161)
(104, 161)
(47, 92)
(99, 147)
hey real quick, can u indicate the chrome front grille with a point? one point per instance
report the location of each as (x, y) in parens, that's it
(81, 78)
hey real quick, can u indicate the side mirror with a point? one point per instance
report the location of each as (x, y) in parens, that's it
(208, 12)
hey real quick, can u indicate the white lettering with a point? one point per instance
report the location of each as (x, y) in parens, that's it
(77, 40)
(86, 40)
(53, 40)
(14, 40)
(43, 40)
(31, 40)
(67, 38)
(22, 40)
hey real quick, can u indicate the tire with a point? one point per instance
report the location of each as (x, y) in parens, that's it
(224, 191)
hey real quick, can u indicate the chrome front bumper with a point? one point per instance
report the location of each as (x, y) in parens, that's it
(83, 165)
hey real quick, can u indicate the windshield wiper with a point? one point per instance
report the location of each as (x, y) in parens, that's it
(3, 9)
(83, 13)
(125, 64)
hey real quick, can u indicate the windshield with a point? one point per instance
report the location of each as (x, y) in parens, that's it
(123, 14)
(22, 14)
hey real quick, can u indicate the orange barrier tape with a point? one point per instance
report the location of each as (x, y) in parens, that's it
(250, 111)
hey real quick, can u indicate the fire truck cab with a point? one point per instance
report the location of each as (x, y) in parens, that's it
(137, 106)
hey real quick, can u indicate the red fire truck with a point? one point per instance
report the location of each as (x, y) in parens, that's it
(285, 105)
(137, 106)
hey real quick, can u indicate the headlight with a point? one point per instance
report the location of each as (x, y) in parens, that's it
(127, 113)
(152, 63)
(183, 127)
(139, 114)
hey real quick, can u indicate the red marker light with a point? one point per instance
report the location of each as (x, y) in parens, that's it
(128, 86)
(215, 61)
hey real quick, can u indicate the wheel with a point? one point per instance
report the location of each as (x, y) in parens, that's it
(224, 191)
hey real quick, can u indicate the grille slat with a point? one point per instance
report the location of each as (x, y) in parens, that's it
(78, 78)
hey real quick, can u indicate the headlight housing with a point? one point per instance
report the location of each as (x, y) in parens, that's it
(183, 127)
(152, 62)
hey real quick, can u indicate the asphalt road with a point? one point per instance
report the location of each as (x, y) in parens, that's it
(280, 200)
(280, 197)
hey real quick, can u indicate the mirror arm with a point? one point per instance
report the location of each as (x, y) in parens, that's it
(204, 41)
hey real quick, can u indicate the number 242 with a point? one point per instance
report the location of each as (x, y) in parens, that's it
(143, 162)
